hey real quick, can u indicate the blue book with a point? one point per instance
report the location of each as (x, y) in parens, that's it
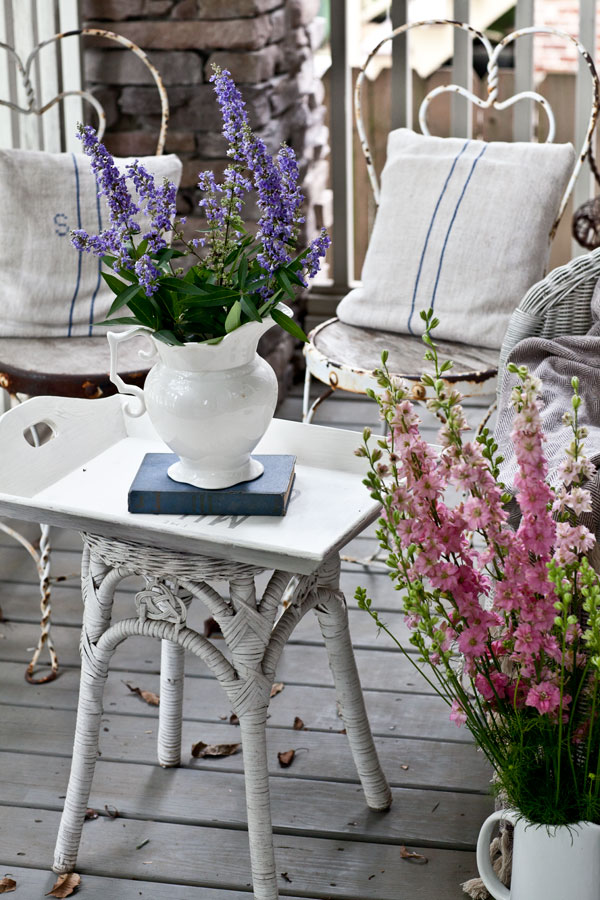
(152, 491)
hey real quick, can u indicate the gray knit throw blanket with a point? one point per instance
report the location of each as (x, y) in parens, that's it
(554, 362)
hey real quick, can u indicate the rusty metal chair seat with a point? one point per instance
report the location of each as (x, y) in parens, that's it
(66, 367)
(345, 357)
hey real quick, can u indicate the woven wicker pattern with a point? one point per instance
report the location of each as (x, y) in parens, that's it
(558, 305)
(255, 639)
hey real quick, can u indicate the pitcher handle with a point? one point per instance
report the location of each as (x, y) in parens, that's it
(138, 408)
(484, 864)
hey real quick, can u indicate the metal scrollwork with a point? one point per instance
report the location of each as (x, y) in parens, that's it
(157, 601)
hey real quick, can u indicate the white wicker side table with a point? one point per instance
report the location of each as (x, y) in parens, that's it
(79, 478)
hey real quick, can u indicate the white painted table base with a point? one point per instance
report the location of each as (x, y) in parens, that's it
(255, 638)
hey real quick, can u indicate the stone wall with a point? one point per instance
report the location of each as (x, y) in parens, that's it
(268, 47)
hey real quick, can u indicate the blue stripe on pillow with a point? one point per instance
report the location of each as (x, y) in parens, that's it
(452, 220)
(99, 281)
(78, 282)
(431, 224)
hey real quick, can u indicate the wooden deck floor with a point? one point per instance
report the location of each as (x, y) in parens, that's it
(181, 834)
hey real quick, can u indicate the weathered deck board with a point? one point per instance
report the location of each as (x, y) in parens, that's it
(404, 715)
(439, 819)
(34, 883)
(407, 763)
(302, 663)
(327, 842)
(317, 868)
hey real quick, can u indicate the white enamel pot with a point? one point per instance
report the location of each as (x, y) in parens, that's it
(549, 862)
(210, 403)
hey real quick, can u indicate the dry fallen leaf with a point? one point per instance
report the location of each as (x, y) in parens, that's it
(65, 885)
(405, 768)
(150, 698)
(7, 885)
(111, 811)
(211, 626)
(298, 724)
(233, 719)
(286, 758)
(91, 813)
(417, 858)
(277, 688)
(200, 750)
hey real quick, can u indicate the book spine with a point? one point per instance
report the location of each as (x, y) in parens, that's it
(205, 505)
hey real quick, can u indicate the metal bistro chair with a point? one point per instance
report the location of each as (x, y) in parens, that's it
(63, 366)
(343, 356)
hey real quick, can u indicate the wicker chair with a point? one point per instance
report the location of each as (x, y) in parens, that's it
(560, 304)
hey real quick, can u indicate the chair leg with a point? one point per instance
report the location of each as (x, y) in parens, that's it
(171, 704)
(306, 395)
(45, 638)
(260, 830)
(333, 620)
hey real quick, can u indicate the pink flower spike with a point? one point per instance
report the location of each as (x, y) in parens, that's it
(457, 714)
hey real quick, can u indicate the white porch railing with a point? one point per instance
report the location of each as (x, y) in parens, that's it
(23, 25)
(341, 122)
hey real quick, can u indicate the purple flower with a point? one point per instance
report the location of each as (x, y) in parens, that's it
(317, 250)
(158, 203)
(233, 112)
(147, 274)
(112, 184)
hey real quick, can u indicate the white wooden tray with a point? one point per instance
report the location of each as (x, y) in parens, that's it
(80, 478)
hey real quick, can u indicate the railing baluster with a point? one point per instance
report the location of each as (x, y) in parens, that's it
(462, 72)
(72, 73)
(524, 110)
(8, 85)
(401, 116)
(47, 69)
(584, 186)
(341, 149)
(24, 42)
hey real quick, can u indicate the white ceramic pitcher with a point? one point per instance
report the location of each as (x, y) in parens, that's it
(210, 403)
(549, 862)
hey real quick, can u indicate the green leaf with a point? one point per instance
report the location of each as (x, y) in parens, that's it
(242, 273)
(163, 256)
(147, 312)
(167, 337)
(285, 283)
(123, 320)
(125, 297)
(295, 279)
(141, 248)
(179, 286)
(250, 309)
(115, 284)
(288, 325)
(234, 317)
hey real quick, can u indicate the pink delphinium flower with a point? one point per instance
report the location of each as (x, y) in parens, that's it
(545, 697)
(457, 714)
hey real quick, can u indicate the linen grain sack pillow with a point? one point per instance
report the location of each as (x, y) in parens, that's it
(463, 226)
(48, 288)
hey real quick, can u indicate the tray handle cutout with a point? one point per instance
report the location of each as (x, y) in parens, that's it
(40, 433)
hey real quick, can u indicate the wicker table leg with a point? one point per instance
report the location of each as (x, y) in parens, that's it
(260, 831)
(171, 704)
(333, 620)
